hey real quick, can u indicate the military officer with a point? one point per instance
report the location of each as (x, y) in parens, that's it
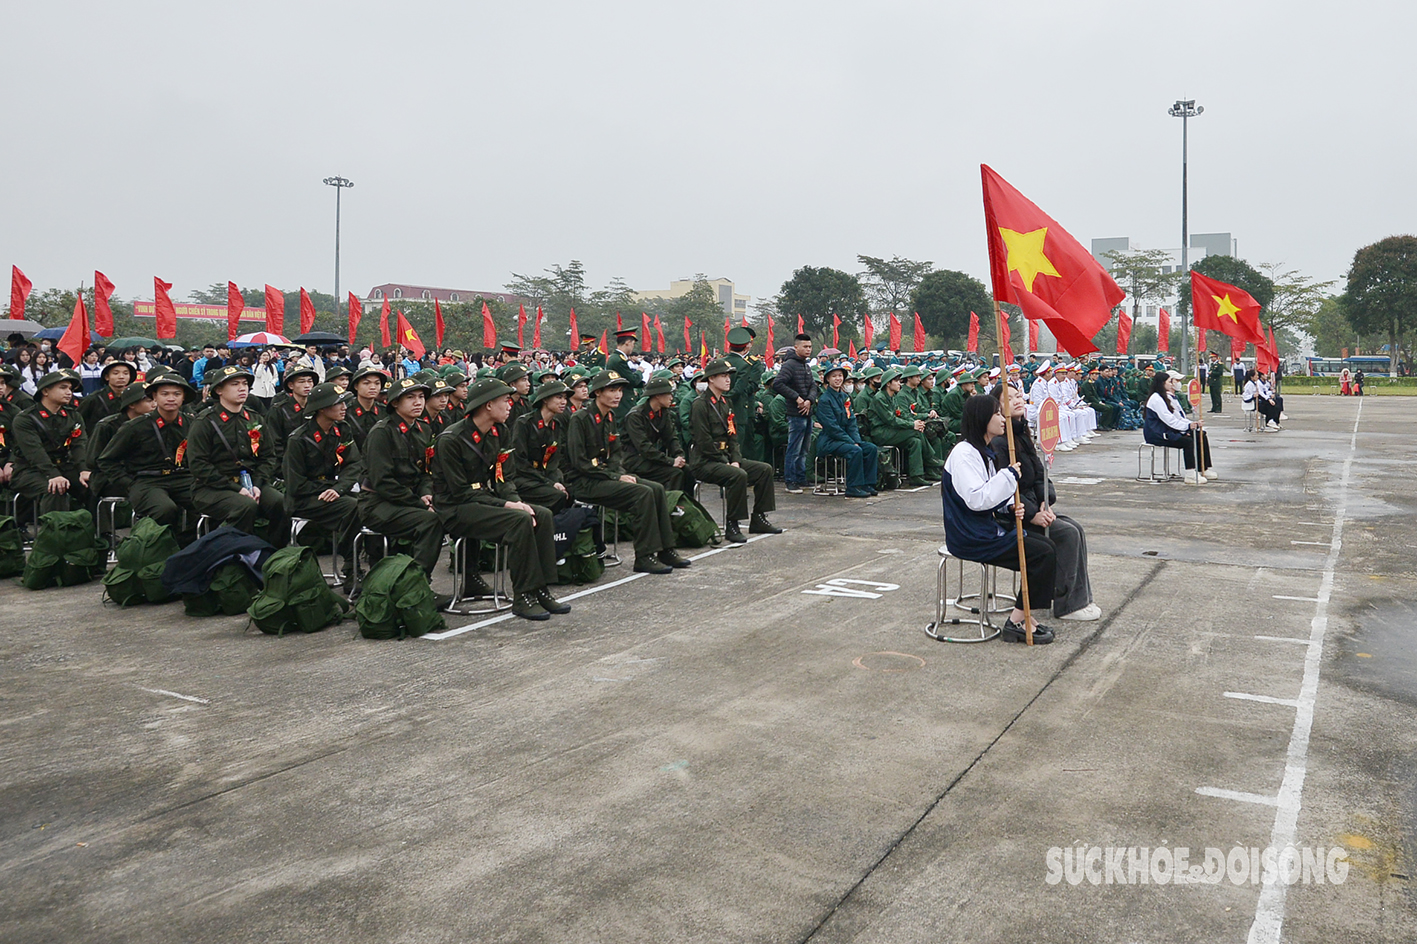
(536, 439)
(743, 394)
(229, 450)
(718, 460)
(619, 361)
(322, 465)
(476, 496)
(396, 495)
(147, 458)
(47, 446)
(589, 355)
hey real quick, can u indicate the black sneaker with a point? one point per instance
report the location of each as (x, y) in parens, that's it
(1013, 632)
(474, 587)
(527, 606)
(732, 535)
(759, 524)
(792, 488)
(550, 604)
(648, 565)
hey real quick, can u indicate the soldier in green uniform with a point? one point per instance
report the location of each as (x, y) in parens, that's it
(147, 458)
(772, 425)
(1106, 412)
(283, 420)
(103, 402)
(515, 376)
(536, 440)
(861, 401)
(229, 450)
(365, 409)
(458, 383)
(476, 497)
(619, 361)
(396, 496)
(13, 400)
(589, 355)
(747, 381)
(892, 424)
(718, 460)
(652, 447)
(437, 412)
(47, 446)
(595, 473)
(322, 465)
(693, 390)
(338, 376)
(132, 404)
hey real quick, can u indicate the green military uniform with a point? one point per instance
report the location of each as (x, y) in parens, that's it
(652, 442)
(536, 443)
(861, 401)
(320, 460)
(747, 381)
(682, 411)
(146, 460)
(1106, 412)
(101, 435)
(220, 446)
(45, 444)
(509, 374)
(360, 421)
(103, 402)
(593, 468)
(714, 428)
(589, 357)
(892, 424)
(473, 482)
(284, 419)
(1215, 379)
(396, 460)
(620, 364)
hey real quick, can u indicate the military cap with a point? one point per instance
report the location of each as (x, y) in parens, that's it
(888, 376)
(509, 348)
(132, 394)
(166, 379)
(132, 369)
(675, 360)
(587, 337)
(741, 335)
(871, 373)
(834, 367)
(455, 378)
(485, 391)
(623, 333)
(56, 376)
(292, 372)
(655, 387)
(910, 371)
(484, 372)
(11, 374)
(427, 375)
(370, 371)
(440, 386)
(511, 373)
(222, 374)
(662, 374)
(548, 389)
(607, 378)
(405, 385)
(716, 367)
(334, 373)
(325, 395)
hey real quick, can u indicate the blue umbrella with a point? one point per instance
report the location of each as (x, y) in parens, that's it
(51, 334)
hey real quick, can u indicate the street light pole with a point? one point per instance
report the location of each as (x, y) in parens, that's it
(339, 183)
(1184, 110)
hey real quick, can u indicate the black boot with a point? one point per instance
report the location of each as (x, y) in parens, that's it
(648, 565)
(671, 557)
(474, 587)
(527, 606)
(732, 535)
(550, 604)
(759, 524)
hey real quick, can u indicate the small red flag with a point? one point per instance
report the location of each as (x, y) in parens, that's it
(438, 321)
(688, 338)
(604, 342)
(745, 319)
(489, 328)
(235, 304)
(703, 350)
(355, 311)
(1219, 306)
(307, 311)
(659, 334)
(919, 338)
(275, 310)
(852, 351)
(895, 333)
(575, 333)
(727, 325)
(76, 337)
(1033, 333)
(165, 314)
(536, 330)
(836, 331)
(644, 332)
(521, 326)
(384, 324)
(801, 326)
(102, 313)
(1006, 337)
(618, 324)
(1163, 330)
(973, 344)
(19, 291)
(1124, 331)
(409, 338)
(870, 331)
(769, 355)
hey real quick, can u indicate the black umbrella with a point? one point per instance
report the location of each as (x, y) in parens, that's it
(321, 338)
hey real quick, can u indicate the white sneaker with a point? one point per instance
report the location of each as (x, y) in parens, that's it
(1284, 416)
(1195, 478)
(1212, 474)
(1085, 615)
(1273, 425)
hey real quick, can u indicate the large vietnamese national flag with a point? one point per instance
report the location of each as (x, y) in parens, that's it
(1221, 307)
(1037, 265)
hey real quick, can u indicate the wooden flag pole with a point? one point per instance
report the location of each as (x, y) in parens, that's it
(1018, 501)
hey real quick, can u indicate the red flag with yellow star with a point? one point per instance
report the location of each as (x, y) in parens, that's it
(409, 338)
(1038, 266)
(1222, 307)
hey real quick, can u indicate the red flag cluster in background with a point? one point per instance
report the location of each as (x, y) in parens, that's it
(645, 340)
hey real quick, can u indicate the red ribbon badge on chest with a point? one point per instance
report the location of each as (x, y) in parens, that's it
(732, 426)
(501, 458)
(848, 409)
(428, 459)
(255, 435)
(181, 452)
(339, 453)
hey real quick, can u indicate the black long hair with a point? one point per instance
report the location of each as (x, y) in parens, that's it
(974, 424)
(1023, 436)
(1158, 385)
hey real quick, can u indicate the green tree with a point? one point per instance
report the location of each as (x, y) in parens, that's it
(1331, 329)
(889, 285)
(1297, 297)
(1141, 275)
(818, 293)
(945, 298)
(1382, 291)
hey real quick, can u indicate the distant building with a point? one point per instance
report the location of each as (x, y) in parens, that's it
(734, 305)
(1202, 245)
(396, 291)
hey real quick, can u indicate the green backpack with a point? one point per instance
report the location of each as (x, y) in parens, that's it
(137, 575)
(231, 591)
(581, 563)
(692, 528)
(296, 597)
(396, 601)
(12, 548)
(66, 551)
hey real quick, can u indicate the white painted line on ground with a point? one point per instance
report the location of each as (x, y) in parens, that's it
(1266, 699)
(1314, 543)
(1302, 642)
(1238, 795)
(1269, 910)
(450, 633)
(163, 691)
(1299, 599)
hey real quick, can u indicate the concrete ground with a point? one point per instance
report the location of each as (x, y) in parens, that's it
(729, 753)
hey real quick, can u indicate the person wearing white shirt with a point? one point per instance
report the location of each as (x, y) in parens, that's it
(1167, 425)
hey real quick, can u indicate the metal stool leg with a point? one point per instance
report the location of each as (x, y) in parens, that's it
(501, 599)
(612, 555)
(332, 576)
(359, 540)
(943, 602)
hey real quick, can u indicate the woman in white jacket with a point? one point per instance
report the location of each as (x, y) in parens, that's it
(1167, 425)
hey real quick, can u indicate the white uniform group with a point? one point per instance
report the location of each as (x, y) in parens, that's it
(1077, 422)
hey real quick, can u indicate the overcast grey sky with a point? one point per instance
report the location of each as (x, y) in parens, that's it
(656, 140)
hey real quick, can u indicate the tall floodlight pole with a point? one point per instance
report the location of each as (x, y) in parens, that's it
(1184, 110)
(339, 183)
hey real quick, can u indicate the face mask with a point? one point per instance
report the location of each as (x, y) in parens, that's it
(701, 386)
